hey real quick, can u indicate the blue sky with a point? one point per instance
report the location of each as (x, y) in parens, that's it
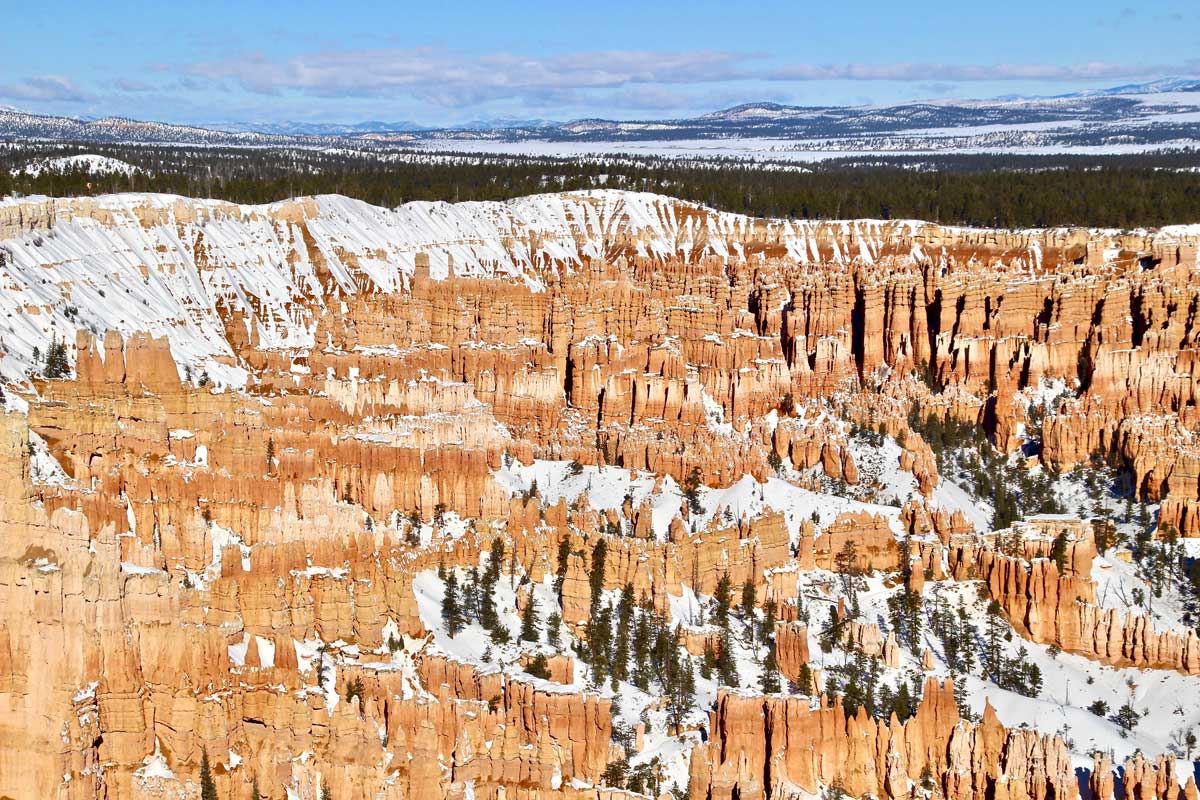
(441, 63)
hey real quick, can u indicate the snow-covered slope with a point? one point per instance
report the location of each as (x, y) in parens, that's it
(170, 265)
(177, 267)
(87, 162)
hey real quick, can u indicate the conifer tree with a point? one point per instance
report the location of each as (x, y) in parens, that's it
(1058, 551)
(749, 598)
(488, 617)
(993, 659)
(767, 629)
(621, 645)
(902, 705)
(642, 644)
(708, 661)
(529, 620)
(470, 596)
(769, 682)
(539, 666)
(831, 634)
(208, 787)
(1127, 717)
(57, 365)
(966, 634)
(726, 662)
(679, 682)
(596, 574)
(722, 596)
(1035, 680)
(599, 636)
(691, 492)
(451, 610)
(553, 623)
(564, 558)
(849, 570)
(804, 678)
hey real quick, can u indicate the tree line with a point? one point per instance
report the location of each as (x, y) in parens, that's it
(996, 191)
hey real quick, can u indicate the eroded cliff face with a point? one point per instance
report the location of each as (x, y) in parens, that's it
(219, 531)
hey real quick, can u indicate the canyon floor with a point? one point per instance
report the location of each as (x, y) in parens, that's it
(592, 496)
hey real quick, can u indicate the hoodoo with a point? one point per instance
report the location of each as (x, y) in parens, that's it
(592, 495)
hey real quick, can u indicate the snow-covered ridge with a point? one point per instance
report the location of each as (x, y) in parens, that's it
(87, 162)
(173, 266)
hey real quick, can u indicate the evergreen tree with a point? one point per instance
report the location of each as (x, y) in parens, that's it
(623, 634)
(726, 662)
(804, 678)
(451, 610)
(846, 563)
(722, 595)
(354, 688)
(642, 644)
(596, 575)
(599, 642)
(254, 793)
(769, 682)
(270, 455)
(831, 634)
(902, 706)
(708, 661)
(691, 492)
(993, 663)
(553, 623)
(564, 558)
(488, 617)
(966, 635)
(749, 597)
(1035, 680)
(904, 610)
(57, 365)
(1058, 551)
(470, 596)
(208, 787)
(529, 620)
(1127, 717)
(539, 667)
(679, 683)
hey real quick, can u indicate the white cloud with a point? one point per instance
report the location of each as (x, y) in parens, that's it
(455, 80)
(639, 78)
(44, 88)
(1097, 70)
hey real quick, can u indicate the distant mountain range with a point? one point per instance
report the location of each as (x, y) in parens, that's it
(1163, 113)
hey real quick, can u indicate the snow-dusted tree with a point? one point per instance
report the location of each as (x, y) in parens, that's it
(57, 365)
(529, 620)
(452, 616)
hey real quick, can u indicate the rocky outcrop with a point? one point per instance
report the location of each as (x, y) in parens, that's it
(770, 747)
(1060, 608)
(213, 527)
